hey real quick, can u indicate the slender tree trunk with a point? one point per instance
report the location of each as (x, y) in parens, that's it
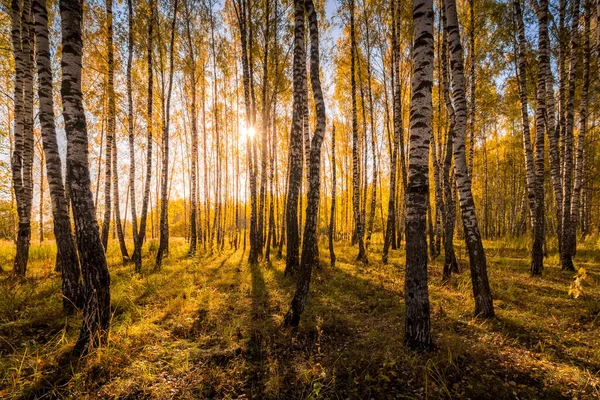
(22, 157)
(450, 262)
(137, 253)
(416, 296)
(522, 79)
(194, 155)
(243, 13)
(130, 132)
(537, 250)
(358, 217)
(481, 288)
(96, 311)
(110, 128)
(472, 99)
(553, 130)
(41, 198)
(373, 134)
(67, 261)
(566, 257)
(163, 247)
(116, 196)
(264, 131)
(295, 147)
(332, 226)
(579, 160)
(310, 253)
(390, 237)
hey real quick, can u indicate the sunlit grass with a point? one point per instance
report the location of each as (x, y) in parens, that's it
(211, 327)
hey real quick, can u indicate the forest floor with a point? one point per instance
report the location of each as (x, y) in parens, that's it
(210, 327)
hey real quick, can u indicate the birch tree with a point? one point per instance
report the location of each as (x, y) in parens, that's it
(295, 146)
(110, 126)
(481, 288)
(67, 260)
(137, 252)
(310, 252)
(416, 296)
(96, 278)
(23, 151)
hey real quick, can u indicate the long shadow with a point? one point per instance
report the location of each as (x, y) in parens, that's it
(263, 329)
(54, 380)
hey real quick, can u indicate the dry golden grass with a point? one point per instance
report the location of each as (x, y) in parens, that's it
(210, 327)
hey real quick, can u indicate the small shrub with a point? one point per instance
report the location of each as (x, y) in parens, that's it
(576, 288)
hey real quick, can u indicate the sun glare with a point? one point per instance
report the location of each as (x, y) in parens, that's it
(247, 132)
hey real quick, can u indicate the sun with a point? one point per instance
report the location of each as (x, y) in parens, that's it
(247, 132)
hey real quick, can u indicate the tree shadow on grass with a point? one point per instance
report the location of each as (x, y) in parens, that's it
(263, 330)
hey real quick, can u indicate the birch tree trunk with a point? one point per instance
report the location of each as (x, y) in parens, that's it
(416, 296)
(194, 129)
(481, 288)
(373, 205)
(96, 311)
(450, 262)
(110, 127)
(242, 9)
(137, 253)
(538, 220)
(472, 99)
(264, 131)
(553, 129)
(579, 160)
(130, 132)
(116, 197)
(310, 252)
(332, 227)
(566, 258)
(522, 80)
(163, 247)
(22, 157)
(358, 216)
(295, 147)
(390, 236)
(67, 261)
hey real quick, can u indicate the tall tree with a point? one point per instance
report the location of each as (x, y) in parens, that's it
(137, 252)
(96, 311)
(537, 250)
(110, 125)
(265, 126)
(130, 132)
(390, 237)
(117, 200)
(481, 288)
(416, 295)
(332, 226)
(373, 205)
(295, 146)
(522, 79)
(244, 18)
(358, 215)
(310, 252)
(67, 261)
(194, 132)
(534, 162)
(568, 230)
(450, 262)
(163, 247)
(22, 157)
(583, 115)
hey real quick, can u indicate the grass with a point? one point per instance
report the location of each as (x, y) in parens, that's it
(210, 327)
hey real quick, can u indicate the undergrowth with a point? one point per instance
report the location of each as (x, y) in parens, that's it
(210, 327)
